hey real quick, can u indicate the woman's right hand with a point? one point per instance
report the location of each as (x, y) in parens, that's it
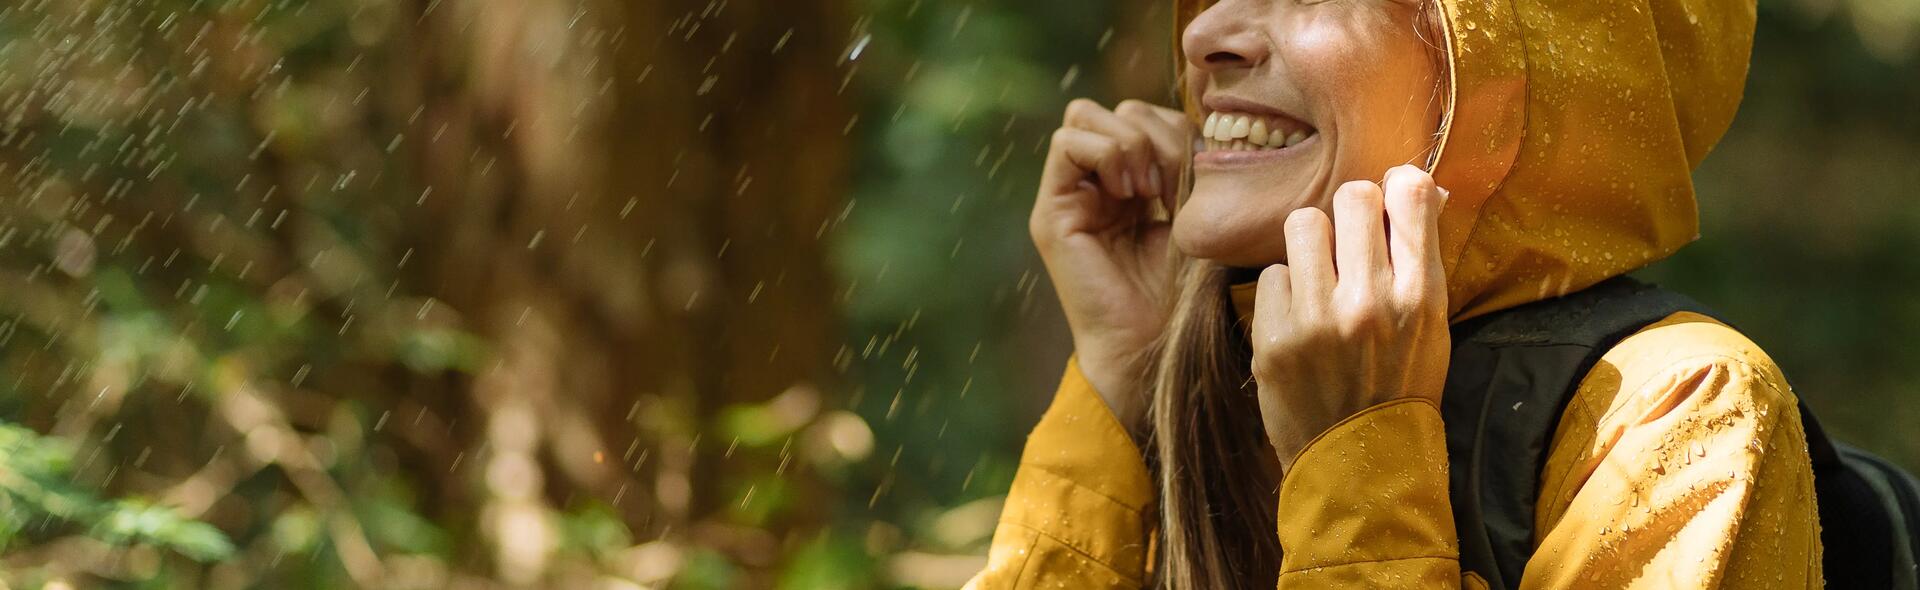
(1104, 246)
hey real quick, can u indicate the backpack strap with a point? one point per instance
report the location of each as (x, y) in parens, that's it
(1869, 514)
(1511, 375)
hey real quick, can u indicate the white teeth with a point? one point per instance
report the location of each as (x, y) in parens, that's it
(1230, 132)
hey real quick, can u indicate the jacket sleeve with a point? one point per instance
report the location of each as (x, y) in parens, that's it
(1680, 463)
(1365, 505)
(1077, 514)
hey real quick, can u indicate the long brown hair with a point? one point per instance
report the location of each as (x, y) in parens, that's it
(1208, 448)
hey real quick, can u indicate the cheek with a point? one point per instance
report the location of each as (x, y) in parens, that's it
(1373, 77)
(1330, 61)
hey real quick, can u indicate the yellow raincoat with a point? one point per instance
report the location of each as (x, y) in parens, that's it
(1680, 461)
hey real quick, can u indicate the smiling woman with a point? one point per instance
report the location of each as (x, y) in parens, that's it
(1349, 88)
(1429, 194)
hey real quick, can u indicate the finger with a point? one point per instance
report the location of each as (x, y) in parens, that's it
(1136, 149)
(1077, 153)
(1170, 138)
(1359, 232)
(1175, 117)
(1309, 258)
(1191, 143)
(1413, 213)
(1272, 301)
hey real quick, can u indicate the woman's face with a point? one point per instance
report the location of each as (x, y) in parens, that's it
(1340, 89)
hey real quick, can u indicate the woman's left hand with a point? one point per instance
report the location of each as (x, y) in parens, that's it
(1358, 315)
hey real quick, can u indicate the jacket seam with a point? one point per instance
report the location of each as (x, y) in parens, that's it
(1107, 419)
(1760, 465)
(1581, 405)
(1026, 565)
(1371, 561)
(1356, 417)
(1721, 360)
(1714, 359)
(1083, 553)
(1584, 412)
(1049, 471)
(1506, 172)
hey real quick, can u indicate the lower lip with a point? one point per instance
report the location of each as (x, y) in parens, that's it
(1226, 159)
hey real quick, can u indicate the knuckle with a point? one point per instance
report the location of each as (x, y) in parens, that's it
(1135, 142)
(1359, 320)
(1305, 219)
(1359, 295)
(1357, 186)
(1039, 227)
(1273, 274)
(1041, 238)
(1321, 333)
(1079, 108)
(1408, 305)
(1412, 292)
(1133, 107)
(1357, 192)
(1357, 292)
(1420, 297)
(1060, 137)
(1412, 178)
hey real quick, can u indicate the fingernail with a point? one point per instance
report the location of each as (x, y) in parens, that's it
(1157, 177)
(1444, 194)
(1126, 186)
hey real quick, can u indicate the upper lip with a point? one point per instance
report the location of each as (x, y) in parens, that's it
(1233, 104)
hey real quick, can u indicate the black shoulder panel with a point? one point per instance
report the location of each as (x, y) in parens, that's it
(1511, 375)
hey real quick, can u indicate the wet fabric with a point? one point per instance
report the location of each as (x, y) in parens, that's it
(1679, 461)
(1686, 472)
(1571, 138)
(1510, 378)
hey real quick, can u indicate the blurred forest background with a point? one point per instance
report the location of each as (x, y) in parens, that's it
(677, 293)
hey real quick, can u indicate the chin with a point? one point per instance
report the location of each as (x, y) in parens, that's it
(1228, 237)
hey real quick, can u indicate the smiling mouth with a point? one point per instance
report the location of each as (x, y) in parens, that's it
(1230, 131)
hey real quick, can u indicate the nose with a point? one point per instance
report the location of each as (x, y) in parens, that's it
(1223, 37)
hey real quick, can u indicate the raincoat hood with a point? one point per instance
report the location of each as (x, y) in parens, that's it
(1572, 134)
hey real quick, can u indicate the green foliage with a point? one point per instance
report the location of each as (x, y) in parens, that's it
(707, 569)
(36, 491)
(215, 265)
(137, 522)
(828, 562)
